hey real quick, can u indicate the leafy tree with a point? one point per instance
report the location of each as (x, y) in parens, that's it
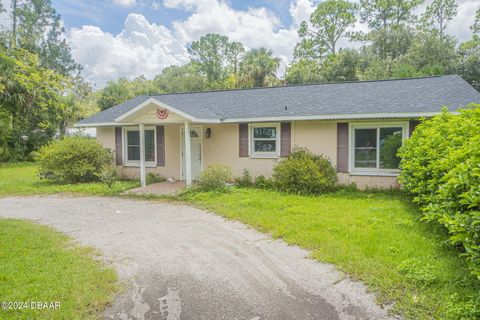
(342, 66)
(31, 96)
(56, 54)
(374, 67)
(180, 79)
(210, 54)
(438, 13)
(328, 24)
(142, 86)
(31, 20)
(383, 14)
(303, 71)
(80, 103)
(390, 24)
(476, 25)
(468, 63)
(392, 42)
(115, 93)
(257, 65)
(36, 27)
(431, 54)
(405, 70)
(235, 53)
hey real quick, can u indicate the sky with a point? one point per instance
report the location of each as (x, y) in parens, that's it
(129, 38)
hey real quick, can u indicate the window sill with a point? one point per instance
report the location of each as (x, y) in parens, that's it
(259, 156)
(147, 165)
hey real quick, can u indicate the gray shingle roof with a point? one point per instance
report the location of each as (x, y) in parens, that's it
(407, 96)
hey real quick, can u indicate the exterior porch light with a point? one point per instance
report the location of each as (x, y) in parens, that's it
(208, 133)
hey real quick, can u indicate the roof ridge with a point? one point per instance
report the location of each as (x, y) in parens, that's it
(300, 85)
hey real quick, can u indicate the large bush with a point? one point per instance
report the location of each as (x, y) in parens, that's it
(214, 178)
(441, 169)
(73, 160)
(304, 173)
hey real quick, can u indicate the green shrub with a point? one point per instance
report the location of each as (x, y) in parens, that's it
(262, 183)
(214, 178)
(154, 178)
(304, 173)
(246, 180)
(441, 169)
(108, 174)
(73, 160)
(456, 309)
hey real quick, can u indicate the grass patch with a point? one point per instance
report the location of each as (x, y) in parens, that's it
(40, 264)
(22, 179)
(375, 237)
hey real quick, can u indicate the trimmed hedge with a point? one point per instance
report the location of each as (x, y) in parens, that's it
(73, 159)
(441, 169)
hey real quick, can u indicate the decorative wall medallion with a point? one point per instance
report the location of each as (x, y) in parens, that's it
(162, 114)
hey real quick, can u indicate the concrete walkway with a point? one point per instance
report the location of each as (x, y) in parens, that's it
(182, 263)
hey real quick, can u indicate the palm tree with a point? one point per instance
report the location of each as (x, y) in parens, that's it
(258, 64)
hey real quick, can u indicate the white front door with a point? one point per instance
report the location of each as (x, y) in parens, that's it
(196, 136)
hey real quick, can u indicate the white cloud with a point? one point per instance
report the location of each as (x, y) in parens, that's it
(144, 48)
(4, 18)
(460, 26)
(300, 10)
(253, 27)
(125, 3)
(189, 4)
(140, 49)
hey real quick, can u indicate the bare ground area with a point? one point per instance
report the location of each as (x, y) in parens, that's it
(179, 262)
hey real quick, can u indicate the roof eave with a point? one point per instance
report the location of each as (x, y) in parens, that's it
(284, 118)
(337, 117)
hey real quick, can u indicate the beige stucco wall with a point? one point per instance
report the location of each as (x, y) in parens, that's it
(320, 137)
(369, 182)
(223, 148)
(106, 136)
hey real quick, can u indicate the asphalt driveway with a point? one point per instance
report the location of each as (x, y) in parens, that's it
(179, 262)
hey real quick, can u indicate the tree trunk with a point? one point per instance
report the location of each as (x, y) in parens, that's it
(13, 43)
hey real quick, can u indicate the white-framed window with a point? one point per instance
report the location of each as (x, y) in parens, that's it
(264, 141)
(374, 146)
(131, 146)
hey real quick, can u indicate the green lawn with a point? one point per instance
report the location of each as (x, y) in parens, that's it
(374, 237)
(377, 238)
(39, 264)
(22, 179)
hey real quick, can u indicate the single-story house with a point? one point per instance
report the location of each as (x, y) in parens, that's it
(357, 125)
